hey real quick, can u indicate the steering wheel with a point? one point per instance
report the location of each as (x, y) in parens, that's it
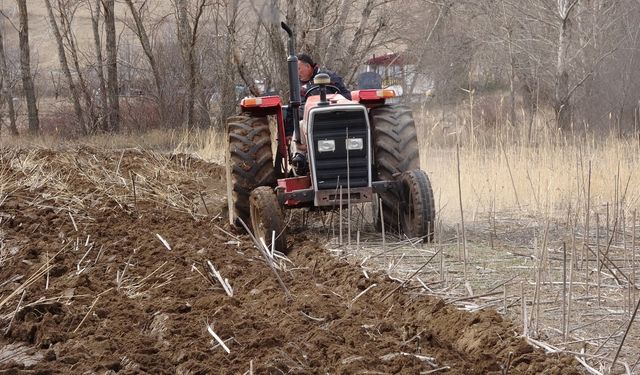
(331, 89)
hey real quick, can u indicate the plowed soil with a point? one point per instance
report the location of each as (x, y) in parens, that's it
(124, 286)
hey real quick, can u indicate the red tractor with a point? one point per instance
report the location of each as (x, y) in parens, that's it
(359, 150)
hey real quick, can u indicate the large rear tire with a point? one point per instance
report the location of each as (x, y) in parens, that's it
(418, 214)
(249, 163)
(267, 217)
(396, 150)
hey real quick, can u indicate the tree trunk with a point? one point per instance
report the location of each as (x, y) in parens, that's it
(562, 104)
(188, 38)
(112, 65)
(201, 99)
(562, 100)
(6, 90)
(363, 53)
(95, 23)
(357, 39)
(292, 13)
(512, 78)
(310, 34)
(529, 106)
(184, 37)
(335, 39)
(71, 41)
(279, 53)
(25, 67)
(437, 29)
(226, 94)
(141, 32)
(64, 65)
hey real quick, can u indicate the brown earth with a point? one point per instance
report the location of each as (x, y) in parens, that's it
(119, 301)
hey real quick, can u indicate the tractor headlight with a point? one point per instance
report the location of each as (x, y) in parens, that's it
(326, 145)
(354, 143)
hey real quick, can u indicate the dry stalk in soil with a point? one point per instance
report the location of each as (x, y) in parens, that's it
(218, 339)
(264, 251)
(536, 297)
(410, 277)
(32, 279)
(91, 309)
(224, 282)
(464, 237)
(624, 337)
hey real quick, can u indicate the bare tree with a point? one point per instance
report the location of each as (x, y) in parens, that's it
(225, 20)
(95, 26)
(141, 32)
(357, 37)
(573, 58)
(112, 65)
(25, 67)
(311, 31)
(562, 97)
(188, 37)
(64, 65)
(337, 31)
(66, 12)
(6, 89)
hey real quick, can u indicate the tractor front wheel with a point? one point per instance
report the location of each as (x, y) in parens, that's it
(267, 218)
(417, 214)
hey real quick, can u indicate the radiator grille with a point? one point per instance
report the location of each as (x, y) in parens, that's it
(331, 168)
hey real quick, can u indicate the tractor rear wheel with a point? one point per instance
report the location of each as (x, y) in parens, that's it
(418, 214)
(267, 217)
(395, 151)
(249, 163)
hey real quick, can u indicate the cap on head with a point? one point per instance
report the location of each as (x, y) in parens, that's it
(306, 58)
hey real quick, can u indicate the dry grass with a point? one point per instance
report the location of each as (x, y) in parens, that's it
(513, 189)
(206, 144)
(549, 179)
(501, 170)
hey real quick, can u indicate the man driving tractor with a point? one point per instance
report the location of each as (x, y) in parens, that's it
(307, 70)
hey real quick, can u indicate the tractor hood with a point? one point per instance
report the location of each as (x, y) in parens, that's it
(334, 99)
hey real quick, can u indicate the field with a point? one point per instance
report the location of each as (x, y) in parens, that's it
(106, 254)
(116, 255)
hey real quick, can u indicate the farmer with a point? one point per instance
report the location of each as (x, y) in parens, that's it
(307, 69)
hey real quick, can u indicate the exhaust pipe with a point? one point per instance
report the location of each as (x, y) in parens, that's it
(294, 83)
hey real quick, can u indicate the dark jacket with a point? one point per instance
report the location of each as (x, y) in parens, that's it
(336, 81)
